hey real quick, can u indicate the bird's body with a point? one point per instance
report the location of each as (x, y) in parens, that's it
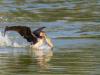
(40, 45)
(37, 38)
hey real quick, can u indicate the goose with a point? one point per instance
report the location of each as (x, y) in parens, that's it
(38, 38)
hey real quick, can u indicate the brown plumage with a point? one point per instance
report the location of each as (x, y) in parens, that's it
(25, 32)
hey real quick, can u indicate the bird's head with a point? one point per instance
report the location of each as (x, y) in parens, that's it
(42, 34)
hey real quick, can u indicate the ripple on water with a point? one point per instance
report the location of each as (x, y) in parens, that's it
(73, 25)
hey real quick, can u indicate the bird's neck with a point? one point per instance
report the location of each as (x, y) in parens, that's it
(42, 37)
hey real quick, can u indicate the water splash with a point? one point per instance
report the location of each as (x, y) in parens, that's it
(4, 40)
(15, 44)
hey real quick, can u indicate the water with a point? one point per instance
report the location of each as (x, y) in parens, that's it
(73, 25)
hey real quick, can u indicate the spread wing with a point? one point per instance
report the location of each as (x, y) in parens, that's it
(37, 31)
(24, 31)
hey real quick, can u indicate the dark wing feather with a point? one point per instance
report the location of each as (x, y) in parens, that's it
(24, 31)
(37, 31)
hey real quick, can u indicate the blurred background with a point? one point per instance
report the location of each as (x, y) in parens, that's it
(73, 26)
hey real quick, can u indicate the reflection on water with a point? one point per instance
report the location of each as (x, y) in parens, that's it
(24, 60)
(42, 57)
(73, 25)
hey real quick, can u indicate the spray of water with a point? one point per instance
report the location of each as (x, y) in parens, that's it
(6, 41)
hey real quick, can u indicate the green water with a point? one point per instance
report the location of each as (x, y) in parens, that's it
(73, 26)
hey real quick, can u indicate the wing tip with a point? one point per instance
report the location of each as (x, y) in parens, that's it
(5, 30)
(44, 27)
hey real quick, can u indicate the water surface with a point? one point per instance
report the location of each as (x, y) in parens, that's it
(73, 25)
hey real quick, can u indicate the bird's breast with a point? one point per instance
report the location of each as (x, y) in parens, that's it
(41, 44)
